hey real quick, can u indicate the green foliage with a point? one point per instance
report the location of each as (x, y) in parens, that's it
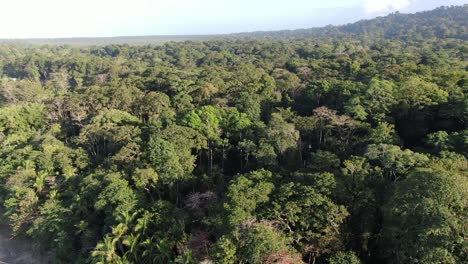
(344, 258)
(224, 251)
(20, 208)
(116, 197)
(426, 217)
(332, 145)
(305, 211)
(258, 242)
(52, 228)
(254, 243)
(29, 91)
(21, 118)
(110, 133)
(361, 188)
(205, 120)
(379, 98)
(163, 157)
(394, 162)
(145, 178)
(443, 141)
(246, 194)
(384, 133)
(323, 161)
(417, 93)
(281, 134)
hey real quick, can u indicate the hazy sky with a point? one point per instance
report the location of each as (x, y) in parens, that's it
(94, 18)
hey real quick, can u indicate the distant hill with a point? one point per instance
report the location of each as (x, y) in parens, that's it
(442, 22)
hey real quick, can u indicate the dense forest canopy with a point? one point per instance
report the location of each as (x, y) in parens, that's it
(335, 145)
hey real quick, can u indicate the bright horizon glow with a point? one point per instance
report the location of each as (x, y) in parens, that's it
(106, 18)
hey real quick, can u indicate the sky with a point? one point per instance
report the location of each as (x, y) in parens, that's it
(106, 18)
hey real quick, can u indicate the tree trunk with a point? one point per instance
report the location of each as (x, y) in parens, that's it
(211, 157)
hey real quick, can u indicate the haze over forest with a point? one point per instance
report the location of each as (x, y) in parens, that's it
(113, 18)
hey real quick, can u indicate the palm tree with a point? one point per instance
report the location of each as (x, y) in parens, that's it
(105, 251)
(39, 183)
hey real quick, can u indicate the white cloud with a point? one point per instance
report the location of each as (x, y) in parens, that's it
(380, 6)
